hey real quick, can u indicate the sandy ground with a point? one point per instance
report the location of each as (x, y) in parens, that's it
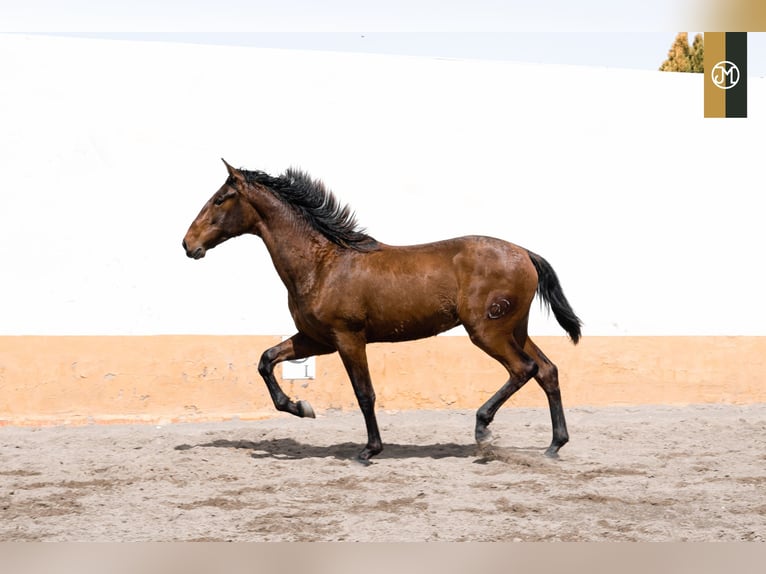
(695, 473)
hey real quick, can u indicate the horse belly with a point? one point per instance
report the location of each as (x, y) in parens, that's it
(407, 331)
(409, 313)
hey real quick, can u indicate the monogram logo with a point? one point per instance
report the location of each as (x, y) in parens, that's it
(722, 71)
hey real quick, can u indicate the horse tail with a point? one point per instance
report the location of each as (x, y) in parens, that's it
(552, 296)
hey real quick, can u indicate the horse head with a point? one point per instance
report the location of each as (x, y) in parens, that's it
(226, 214)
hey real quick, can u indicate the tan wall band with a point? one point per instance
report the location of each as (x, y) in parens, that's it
(77, 380)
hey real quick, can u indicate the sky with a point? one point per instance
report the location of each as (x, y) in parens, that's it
(641, 50)
(632, 50)
(629, 34)
(343, 15)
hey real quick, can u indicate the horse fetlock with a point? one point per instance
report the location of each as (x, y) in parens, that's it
(559, 439)
(371, 449)
(483, 418)
(556, 444)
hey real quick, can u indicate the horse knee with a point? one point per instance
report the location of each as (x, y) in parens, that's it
(266, 364)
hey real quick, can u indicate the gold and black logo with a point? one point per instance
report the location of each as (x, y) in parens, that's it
(725, 64)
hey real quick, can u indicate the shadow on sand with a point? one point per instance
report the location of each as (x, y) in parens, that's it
(288, 448)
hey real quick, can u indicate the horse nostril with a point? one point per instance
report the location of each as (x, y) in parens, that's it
(183, 244)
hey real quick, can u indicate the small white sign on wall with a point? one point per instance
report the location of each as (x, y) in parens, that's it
(299, 368)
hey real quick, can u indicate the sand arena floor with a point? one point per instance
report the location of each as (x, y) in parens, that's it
(693, 473)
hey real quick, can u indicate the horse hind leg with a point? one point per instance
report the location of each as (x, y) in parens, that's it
(548, 378)
(520, 366)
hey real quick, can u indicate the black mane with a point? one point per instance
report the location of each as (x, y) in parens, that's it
(318, 207)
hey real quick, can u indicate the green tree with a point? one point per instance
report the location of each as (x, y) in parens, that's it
(685, 58)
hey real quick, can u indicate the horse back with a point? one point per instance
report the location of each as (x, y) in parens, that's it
(399, 293)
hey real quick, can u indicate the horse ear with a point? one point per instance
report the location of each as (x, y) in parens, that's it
(233, 172)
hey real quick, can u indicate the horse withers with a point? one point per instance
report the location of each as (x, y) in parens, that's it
(346, 289)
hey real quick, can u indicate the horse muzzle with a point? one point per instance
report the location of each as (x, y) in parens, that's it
(197, 253)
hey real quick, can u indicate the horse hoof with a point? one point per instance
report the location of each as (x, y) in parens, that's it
(552, 453)
(484, 438)
(305, 410)
(485, 453)
(362, 461)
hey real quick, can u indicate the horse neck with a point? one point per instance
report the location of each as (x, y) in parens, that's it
(296, 249)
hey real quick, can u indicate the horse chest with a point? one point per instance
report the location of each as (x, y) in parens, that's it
(311, 319)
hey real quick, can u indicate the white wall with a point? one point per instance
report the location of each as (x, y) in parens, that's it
(650, 213)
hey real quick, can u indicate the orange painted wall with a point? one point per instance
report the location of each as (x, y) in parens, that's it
(79, 380)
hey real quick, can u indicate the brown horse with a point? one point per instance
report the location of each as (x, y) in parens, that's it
(345, 289)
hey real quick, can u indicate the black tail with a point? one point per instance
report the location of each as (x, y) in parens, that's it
(551, 294)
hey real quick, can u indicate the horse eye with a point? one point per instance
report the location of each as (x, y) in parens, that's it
(219, 200)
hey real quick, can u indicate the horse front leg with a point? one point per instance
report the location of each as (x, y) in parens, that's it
(296, 347)
(351, 349)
